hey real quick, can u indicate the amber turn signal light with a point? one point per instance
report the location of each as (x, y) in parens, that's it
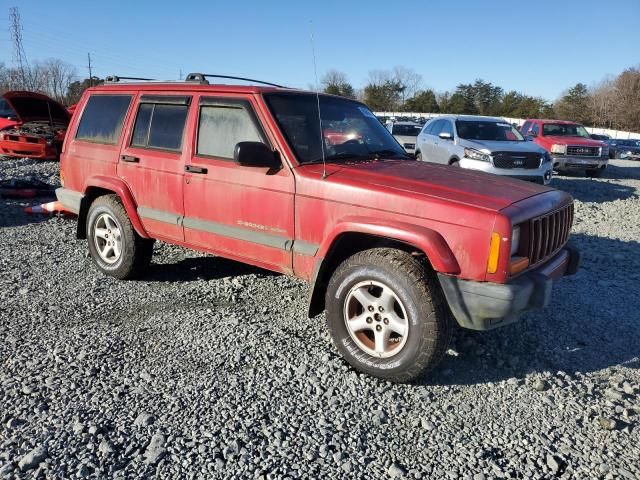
(494, 253)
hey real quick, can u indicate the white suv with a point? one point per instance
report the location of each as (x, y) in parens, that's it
(483, 143)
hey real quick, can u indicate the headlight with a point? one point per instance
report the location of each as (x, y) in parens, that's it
(515, 240)
(474, 154)
(556, 148)
(605, 151)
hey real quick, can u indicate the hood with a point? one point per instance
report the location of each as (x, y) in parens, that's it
(406, 139)
(421, 179)
(31, 107)
(583, 142)
(502, 146)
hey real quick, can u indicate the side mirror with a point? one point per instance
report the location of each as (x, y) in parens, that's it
(445, 136)
(254, 154)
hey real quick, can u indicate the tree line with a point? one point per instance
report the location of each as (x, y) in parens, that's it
(614, 103)
(53, 77)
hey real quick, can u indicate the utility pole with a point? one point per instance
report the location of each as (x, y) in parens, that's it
(180, 74)
(19, 57)
(90, 73)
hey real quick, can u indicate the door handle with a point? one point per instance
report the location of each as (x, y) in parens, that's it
(129, 158)
(194, 169)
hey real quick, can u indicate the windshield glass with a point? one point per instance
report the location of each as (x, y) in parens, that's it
(349, 129)
(564, 130)
(407, 130)
(5, 110)
(487, 130)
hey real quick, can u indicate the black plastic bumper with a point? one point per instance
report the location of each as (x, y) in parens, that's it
(484, 305)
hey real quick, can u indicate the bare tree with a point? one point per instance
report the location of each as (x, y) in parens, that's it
(58, 75)
(408, 80)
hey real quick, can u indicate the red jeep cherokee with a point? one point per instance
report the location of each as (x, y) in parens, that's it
(31, 125)
(391, 246)
(569, 144)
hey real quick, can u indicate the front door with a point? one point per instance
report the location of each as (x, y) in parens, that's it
(152, 164)
(242, 212)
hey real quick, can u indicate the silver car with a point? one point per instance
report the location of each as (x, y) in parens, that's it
(406, 133)
(483, 143)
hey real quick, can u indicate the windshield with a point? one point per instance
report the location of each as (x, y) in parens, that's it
(487, 130)
(564, 130)
(5, 110)
(349, 129)
(406, 130)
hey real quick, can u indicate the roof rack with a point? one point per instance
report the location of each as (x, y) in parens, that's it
(115, 79)
(202, 78)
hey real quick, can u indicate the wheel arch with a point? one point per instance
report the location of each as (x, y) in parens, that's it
(453, 159)
(412, 239)
(99, 186)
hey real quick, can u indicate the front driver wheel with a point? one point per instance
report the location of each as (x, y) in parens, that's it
(115, 247)
(386, 314)
(419, 156)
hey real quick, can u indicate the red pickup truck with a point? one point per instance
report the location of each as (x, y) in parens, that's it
(569, 144)
(393, 248)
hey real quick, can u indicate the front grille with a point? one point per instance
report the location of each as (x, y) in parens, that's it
(548, 234)
(578, 151)
(511, 160)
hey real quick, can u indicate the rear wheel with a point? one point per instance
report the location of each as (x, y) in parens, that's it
(386, 314)
(115, 247)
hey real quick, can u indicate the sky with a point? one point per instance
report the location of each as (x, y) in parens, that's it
(539, 48)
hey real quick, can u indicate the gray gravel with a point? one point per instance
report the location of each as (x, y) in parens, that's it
(210, 369)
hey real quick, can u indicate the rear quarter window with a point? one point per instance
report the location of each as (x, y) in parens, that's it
(160, 126)
(102, 118)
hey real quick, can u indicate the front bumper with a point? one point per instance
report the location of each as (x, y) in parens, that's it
(26, 149)
(563, 162)
(485, 305)
(540, 175)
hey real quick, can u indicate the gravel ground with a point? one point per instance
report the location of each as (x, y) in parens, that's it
(210, 369)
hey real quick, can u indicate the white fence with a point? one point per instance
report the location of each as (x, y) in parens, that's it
(519, 121)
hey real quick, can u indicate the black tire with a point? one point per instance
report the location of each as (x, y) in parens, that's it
(135, 251)
(415, 288)
(595, 172)
(455, 163)
(419, 156)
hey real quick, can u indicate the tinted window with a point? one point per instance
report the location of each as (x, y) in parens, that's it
(407, 130)
(159, 126)
(525, 128)
(487, 130)
(221, 127)
(102, 118)
(535, 129)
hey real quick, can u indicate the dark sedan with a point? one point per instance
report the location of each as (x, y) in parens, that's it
(629, 149)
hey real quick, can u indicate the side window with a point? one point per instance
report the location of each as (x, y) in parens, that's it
(447, 128)
(437, 127)
(102, 118)
(160, 126)
(535, 129)
(222, 126)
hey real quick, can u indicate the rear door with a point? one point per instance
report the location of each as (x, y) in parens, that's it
(242, 212)
(152, 163)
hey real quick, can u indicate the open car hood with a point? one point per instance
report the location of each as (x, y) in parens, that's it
(31, 107)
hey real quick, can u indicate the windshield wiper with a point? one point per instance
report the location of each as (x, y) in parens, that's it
(388, 152)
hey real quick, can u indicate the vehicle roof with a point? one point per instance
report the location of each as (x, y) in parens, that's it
(476, 118)
(549, 120)
(407, 123)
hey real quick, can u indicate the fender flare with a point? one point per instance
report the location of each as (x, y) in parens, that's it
(425, 239)
(121, 189)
